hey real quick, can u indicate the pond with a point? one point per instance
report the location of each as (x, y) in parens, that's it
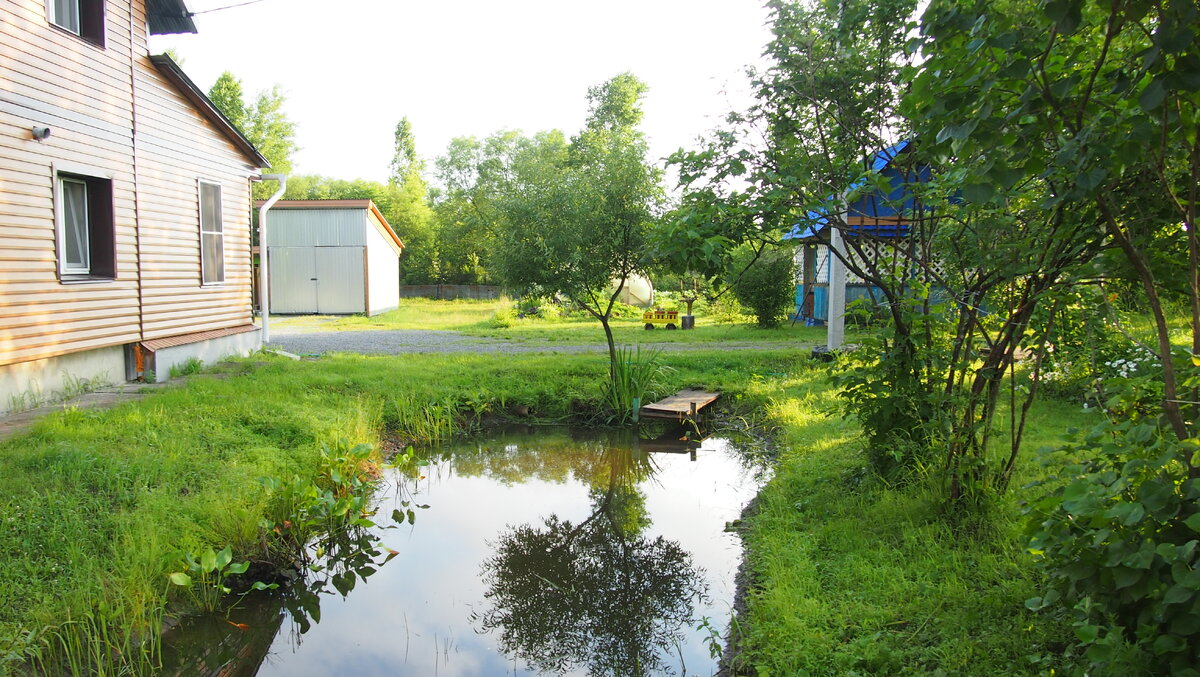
(525, 551)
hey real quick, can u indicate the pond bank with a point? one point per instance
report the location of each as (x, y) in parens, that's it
(845, 575)
(104, 504)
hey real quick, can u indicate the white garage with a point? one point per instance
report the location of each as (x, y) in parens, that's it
(332, 257)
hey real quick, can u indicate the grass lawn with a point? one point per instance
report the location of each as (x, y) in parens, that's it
(475, 318)
(853, 577)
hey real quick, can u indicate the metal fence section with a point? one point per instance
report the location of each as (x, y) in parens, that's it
(450, 292)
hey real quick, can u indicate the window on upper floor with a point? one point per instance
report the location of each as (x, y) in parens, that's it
(86, 238)
(84, 18)
(212, 235)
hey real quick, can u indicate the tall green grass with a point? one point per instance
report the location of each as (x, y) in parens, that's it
(421, 422)
(635, 374)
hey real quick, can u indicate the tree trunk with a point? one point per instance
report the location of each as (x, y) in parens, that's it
(612, 347)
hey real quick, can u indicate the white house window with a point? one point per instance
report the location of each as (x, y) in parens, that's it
(84, 18)
(212, 235)
(76, 257)
(86, 238)
(65, 14)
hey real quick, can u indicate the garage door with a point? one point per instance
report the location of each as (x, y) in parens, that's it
(323, 280)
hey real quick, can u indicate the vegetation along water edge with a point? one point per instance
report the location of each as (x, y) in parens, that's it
(846, 573)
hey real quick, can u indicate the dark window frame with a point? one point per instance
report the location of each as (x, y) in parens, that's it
(101, 225)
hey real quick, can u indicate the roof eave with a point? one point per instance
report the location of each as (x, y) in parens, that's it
(375, 210)
(175, 75)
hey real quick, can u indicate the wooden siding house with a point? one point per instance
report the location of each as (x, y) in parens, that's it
(124, 202)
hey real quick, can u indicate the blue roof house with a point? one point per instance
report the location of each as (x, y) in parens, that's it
(880, 218)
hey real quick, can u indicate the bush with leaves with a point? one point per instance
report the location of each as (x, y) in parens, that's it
(1118, 536)
(1089, 353)
(767, 287)
(903, 413)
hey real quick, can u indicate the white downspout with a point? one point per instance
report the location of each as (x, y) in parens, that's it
(264, 289)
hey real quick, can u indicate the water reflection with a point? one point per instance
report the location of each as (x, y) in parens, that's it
(599, 593)
(552, 551)
(236, 642)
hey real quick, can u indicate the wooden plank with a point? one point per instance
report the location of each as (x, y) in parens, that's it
(681, 405)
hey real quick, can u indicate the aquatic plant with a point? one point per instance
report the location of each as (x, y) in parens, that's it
(206, 576)
(636, 373)
(335, 500)
(423, 421)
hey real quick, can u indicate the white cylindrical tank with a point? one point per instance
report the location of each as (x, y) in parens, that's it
(638, 291)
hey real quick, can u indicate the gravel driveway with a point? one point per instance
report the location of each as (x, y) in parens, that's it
(303, 341)
(395, 341)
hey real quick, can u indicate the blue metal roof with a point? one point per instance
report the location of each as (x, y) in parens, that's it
(872, 205)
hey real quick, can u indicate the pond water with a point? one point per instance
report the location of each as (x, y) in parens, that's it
(525, 551)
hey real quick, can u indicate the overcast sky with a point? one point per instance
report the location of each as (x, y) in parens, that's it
(350, 69)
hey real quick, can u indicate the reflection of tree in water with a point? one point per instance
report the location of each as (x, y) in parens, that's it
(558, 455)
(597, 593)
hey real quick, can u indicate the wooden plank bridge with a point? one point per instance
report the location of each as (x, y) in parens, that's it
(681, 406)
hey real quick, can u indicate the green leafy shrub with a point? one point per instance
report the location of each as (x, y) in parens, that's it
(668, 300)
(723, 310)
(768, 286)
(903, 415)
(504, 318)
(1089, 356)
(1118, 537)
(626, 311)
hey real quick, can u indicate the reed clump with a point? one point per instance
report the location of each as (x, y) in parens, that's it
(635, 374)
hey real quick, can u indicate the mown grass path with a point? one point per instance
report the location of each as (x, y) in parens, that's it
(398, 341)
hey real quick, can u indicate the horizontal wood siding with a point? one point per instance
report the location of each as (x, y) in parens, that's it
(84, 94)
(177, 147)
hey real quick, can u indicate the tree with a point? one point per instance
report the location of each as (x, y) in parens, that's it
(405, 161)
(411, 216)
(226, 95)
(597, 593)
(471, 175)
(1094, 111)
(578, 226)
(824, 109)
(264, 124)
(270, 130)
